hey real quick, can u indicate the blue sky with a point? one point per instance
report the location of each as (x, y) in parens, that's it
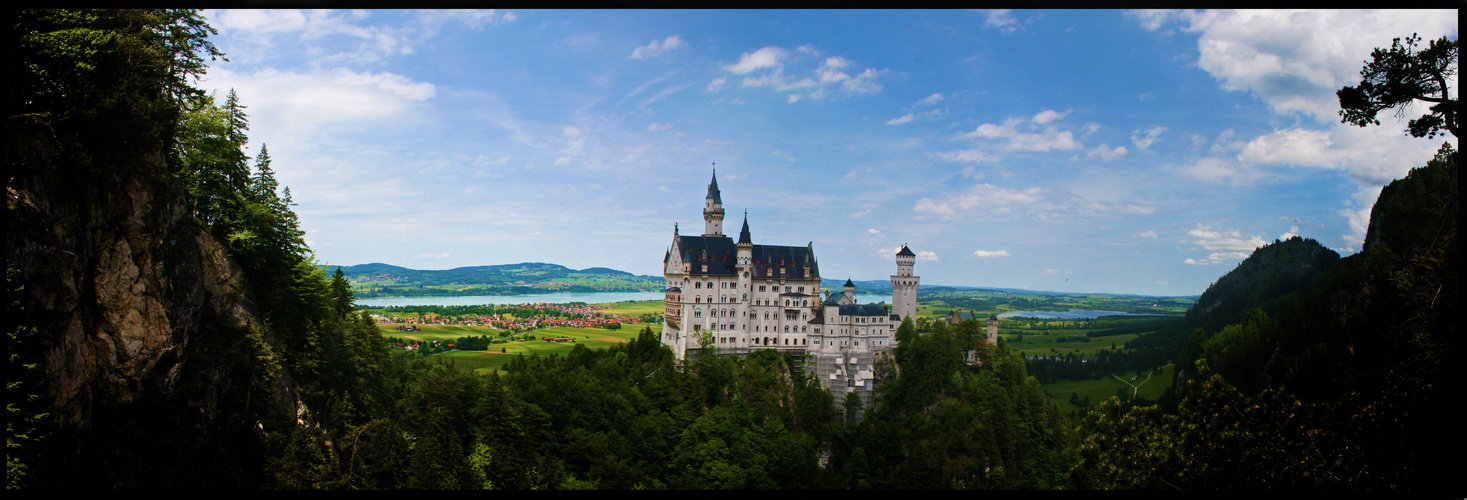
(1141, 152)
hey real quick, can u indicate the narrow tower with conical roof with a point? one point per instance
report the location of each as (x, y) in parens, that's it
(713, 209)
(904, 285)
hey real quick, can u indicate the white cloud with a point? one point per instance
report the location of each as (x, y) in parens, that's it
(432, 255)
(1039, 203)
(1295, 60)
(1049, 115)
(312, 32)
(1106, 153)
(299, 104)
(1145, 141)
(1148, 234)
(1227, 246)
(930, 100)
(1221, 171)
(828, 75)
(1295, 146)
(979, 196)
(928, 256)
(1051, 272)
(1003, 19)
(659, 127)
(717, 84)
(991, 254)
(763, 58)
(658, 47)
(1050, 138)
(926, 115)
(873, 232)
(967, 156)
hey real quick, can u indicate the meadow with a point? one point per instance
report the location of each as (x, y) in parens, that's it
(500, 354)
(1102, 389)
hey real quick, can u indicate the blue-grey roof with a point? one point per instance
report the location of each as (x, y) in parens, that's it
(906, 251)
(713, 190)
(863, 310)
(744, 234)
(720, 254)
(717, 252)
(792, 259)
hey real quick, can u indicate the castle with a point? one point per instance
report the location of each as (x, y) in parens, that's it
(737, 297)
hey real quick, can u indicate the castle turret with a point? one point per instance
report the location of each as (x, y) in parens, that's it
(849, 292)
(744, 262)
(713, 209)
(904, 285)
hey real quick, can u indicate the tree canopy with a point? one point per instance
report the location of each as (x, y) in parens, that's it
(1397, 77)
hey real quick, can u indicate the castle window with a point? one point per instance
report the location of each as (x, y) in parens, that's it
(802, 289)
(697, 313)
(697, 300)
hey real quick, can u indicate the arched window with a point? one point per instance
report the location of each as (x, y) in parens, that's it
(697, 300)
(698, 285)
(697, 313)
(746, 298)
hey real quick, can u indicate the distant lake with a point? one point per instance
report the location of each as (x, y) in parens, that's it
(479, 300)
(550, 298)
(1070, 314)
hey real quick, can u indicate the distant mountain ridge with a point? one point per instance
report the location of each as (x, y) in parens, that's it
(386, 280)
(524, 271)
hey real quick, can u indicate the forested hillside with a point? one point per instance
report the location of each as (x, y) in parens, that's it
(1271, 276)
(1346, 385)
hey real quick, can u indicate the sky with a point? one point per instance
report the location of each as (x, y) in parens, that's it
(1135, 152)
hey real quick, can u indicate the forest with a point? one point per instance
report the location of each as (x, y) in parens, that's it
(168, 327)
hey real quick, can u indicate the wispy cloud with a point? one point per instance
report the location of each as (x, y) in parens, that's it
(658, 47)
(991, 254)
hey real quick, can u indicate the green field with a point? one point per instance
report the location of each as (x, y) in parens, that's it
(1102, 389)
(634, 308)
(492, 360)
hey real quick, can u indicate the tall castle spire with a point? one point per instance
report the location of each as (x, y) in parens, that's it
(713, 209)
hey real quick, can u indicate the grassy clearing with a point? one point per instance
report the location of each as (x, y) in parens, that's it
(501, 354)
(1048, 345)
(634, 308)
(1102, 389)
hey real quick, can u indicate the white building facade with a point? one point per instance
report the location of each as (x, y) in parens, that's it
(741, 297)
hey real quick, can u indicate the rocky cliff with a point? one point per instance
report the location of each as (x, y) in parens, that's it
(142, 318)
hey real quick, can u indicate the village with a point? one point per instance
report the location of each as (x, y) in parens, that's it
(514, 319)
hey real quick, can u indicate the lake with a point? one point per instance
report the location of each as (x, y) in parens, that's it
(550, 298)
(1070, 314)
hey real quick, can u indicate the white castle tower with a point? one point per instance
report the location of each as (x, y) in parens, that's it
(904, 285)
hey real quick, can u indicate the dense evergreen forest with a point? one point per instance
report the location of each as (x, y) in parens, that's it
(167, 327)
